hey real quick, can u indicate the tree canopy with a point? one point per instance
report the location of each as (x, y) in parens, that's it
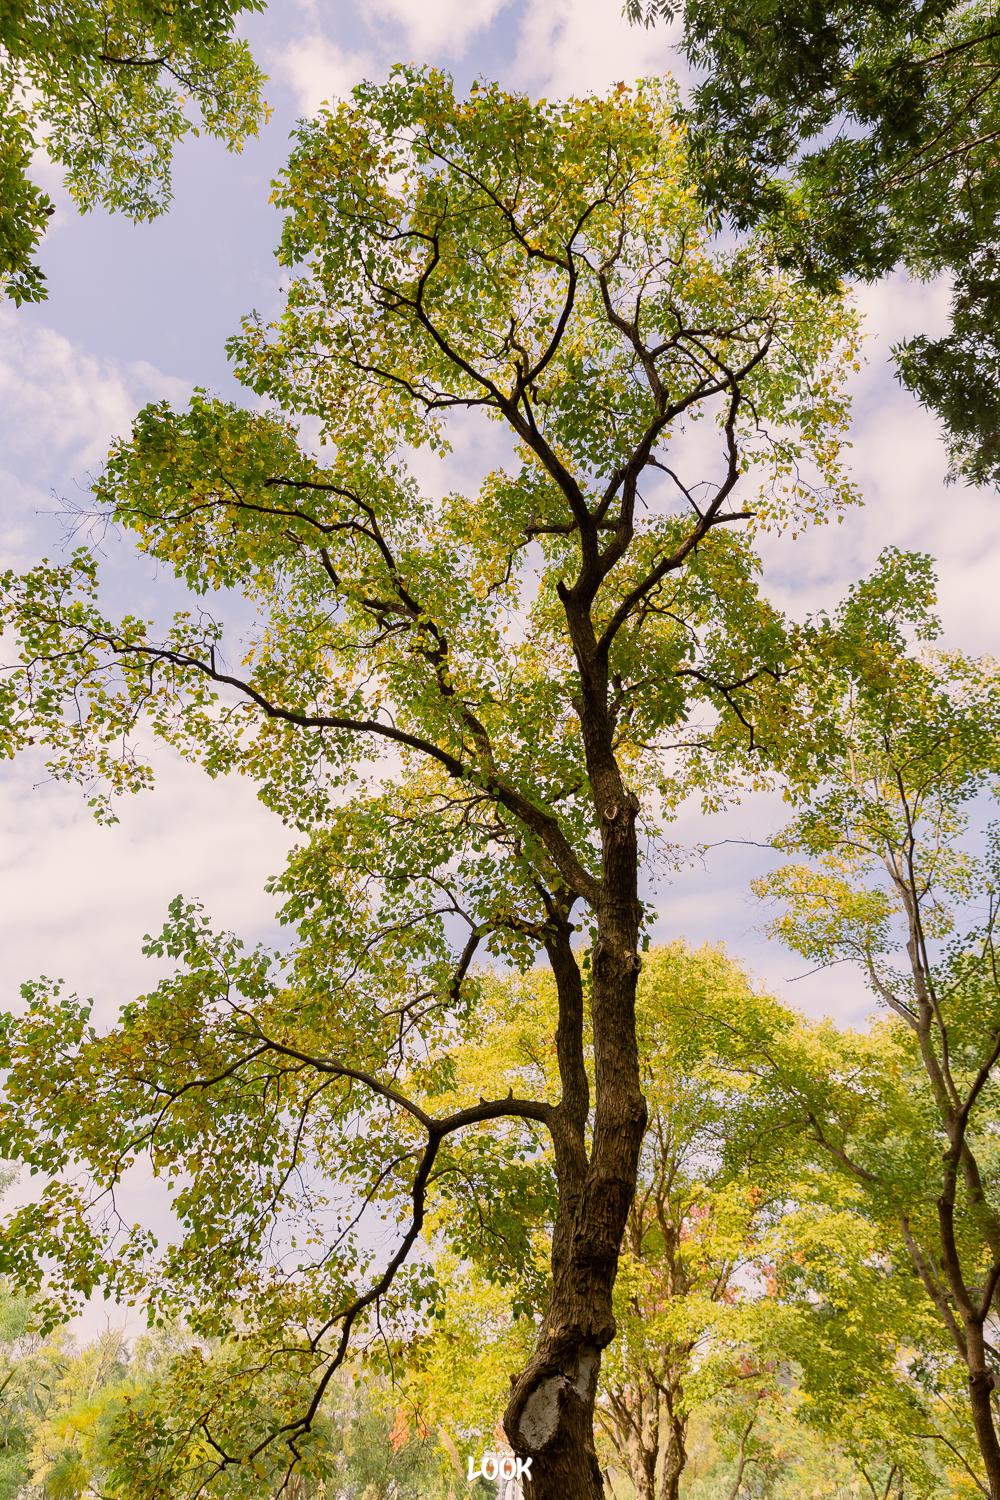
(108, 88)
(898, 874)
(471, 704)
(866, 136)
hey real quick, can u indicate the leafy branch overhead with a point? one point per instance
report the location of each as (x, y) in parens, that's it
(108, 89)
(865, 136)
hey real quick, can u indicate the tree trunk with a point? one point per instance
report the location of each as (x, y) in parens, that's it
(644, 1476)
(981, 1401)
(674, 1459)
(633, 1427)
(550, 1416)
(554, 1422)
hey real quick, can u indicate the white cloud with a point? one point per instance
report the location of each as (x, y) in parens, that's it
(78, 896)
(19, 501)
(709, 900)
(899, 463)
(562, 46)
(442, 27)
(570, 47)
(897, 307)
(319, 71)
(61, 406)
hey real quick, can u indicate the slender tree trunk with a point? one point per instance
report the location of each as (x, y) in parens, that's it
(981, 1402)
(632, 1425)
(954, 1108)
(550, 1416)
(644, 1476)
(980, 1399)
(742, 1461)
(737, 1484)
(674, 1458)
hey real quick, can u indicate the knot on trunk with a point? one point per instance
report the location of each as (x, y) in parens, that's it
(627, 959)
(627, 808)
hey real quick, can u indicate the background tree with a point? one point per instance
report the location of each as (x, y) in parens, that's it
(77, 1422)
(68, 1458)
(753, 1291)
(698, 1235)
(756, 1293)
(463, 704)
(362, 1449)
(901, 879)
(766, 1452)
(108, 88)
(29, 1368)
(866, 136)
(849, 1335)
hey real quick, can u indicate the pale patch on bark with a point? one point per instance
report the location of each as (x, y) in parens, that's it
(539, 1420)
(540, 1416)
(586, 1373)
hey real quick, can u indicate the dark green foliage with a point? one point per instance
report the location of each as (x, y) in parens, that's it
(866, 135)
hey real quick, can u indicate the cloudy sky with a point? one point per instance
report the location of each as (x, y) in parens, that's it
(137, 313)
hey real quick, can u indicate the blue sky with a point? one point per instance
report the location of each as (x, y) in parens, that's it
(140, 312)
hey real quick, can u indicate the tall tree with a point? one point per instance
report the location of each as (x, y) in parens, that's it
(108, 88)
(901, 879)
(866, 136)
(473, 708)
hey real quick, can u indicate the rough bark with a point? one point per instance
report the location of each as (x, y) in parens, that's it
(644, 1476)
(981, 1402)
(550, 1416)
(674, 1457)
